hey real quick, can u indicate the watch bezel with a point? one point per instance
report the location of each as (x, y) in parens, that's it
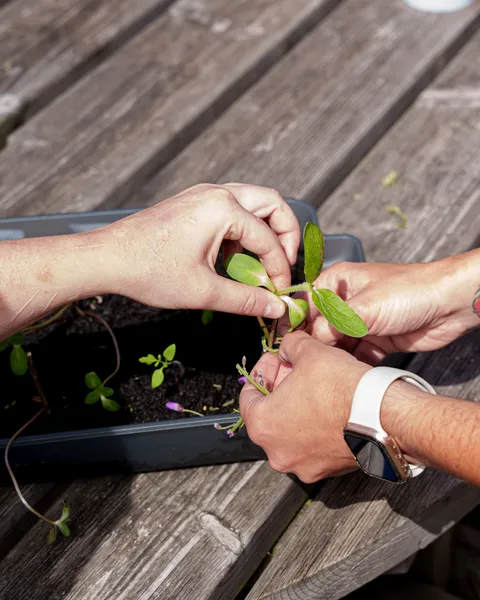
(397, 461)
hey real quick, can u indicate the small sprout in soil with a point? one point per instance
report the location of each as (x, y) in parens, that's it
(18, 356)
(99, 388)
(207, 317)
(217, 386)
(390, 179)
(158, 375)
(176, 407)
(213, 408)
(396, 210)
(229, 402)
(100, 392)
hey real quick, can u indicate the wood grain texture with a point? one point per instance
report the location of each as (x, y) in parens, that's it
(356, 529)
(99, 141)
(48, 44)
(196, 533)
(302, 127)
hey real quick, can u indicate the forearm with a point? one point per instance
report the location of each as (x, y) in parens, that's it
(433, 430)
(42, 274)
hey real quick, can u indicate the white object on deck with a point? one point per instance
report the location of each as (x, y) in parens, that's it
(439, 6)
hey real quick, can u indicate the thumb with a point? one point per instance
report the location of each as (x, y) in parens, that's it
(295, 345)
(238, 298)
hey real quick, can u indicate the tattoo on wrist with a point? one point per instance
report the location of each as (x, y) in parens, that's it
(476, 303)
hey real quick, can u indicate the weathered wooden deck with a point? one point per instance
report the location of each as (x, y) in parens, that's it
(114, 103)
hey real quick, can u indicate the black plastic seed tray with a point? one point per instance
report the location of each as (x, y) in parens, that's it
(146, 447)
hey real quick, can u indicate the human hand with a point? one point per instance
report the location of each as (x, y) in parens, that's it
(407, 308)
(300, 423)
(168, 252)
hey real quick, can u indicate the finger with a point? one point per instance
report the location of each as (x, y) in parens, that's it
(233, 297)
(295, 345)
(369, 353)
(269, 366)
(257, 237)
(268, 204)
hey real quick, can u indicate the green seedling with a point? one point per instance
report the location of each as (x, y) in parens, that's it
(100, 392)
(338, 313)
(18, 356)
(160, 363)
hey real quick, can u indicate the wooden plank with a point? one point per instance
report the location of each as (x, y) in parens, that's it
(98, 142)
(195, 533)
(307, 123)
(48, 44)
(356, 528)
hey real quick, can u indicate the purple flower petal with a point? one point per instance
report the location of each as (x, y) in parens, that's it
(231, 434)
(174, 406)
(242, 379)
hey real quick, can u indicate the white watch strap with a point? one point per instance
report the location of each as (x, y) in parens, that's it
(368, 397)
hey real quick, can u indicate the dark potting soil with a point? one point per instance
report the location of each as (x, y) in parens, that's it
(68, 349)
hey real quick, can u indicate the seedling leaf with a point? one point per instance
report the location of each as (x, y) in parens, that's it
(297, 311)
(92, 380)
(106, 391)
(65, 513)
(207, 317)
(314, 248)
(169, 353)
(110, 405)
(18, 360)
(4, 345)
(338, 313)
(64, 529)
(157, 378)
(52, 536)
(246, 269)
(17, 339)
(92, 397)
(148, 360)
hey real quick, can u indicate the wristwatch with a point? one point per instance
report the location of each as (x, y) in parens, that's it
(375, 451)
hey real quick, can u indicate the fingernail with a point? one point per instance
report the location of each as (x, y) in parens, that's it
(274, 310)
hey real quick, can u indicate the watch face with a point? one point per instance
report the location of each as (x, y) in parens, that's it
(372, 457)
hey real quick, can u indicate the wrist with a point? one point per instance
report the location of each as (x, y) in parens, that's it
(459, 287)
(404, 414)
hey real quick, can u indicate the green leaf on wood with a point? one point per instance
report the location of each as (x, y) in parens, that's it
(338, 313)
(65, 512)
(64, 528)
(92, 380)
(157, 378)
(314, 249)
(18, 361)
(148, 360)
(297, 311)
(249, 270)
(109, 404)
(169, 353)
(52, 536)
